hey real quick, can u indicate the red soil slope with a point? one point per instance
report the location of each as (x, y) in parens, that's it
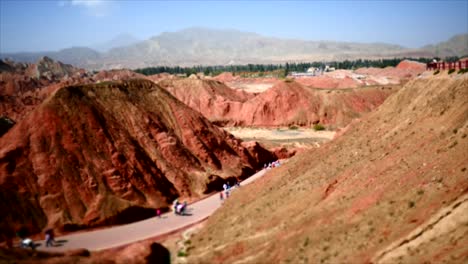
(392, 189)
(106, 153)
(286, 103)
(290, 103)
(212, 98)
(403, 71)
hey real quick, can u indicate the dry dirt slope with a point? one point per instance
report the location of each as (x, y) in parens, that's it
(359, 198)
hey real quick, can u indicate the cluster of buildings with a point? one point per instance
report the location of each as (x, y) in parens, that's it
(312, 71)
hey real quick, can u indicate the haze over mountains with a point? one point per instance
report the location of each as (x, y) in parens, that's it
(202, 46)
(120, 40)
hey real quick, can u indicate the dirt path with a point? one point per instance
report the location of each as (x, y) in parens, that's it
(130, 233)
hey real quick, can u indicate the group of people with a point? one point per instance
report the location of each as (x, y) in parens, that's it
(180, 208)
(26, 242)
(273, 164)
(227, 190)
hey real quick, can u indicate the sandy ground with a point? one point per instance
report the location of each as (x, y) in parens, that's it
(284, 137)
(251, 87)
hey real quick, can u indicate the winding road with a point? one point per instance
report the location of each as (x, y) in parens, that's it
(134, 232)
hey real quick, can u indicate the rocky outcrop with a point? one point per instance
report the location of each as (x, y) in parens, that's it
(117, 75)
(97, 154)
(24, 86)
(51, 70)
(6, 67)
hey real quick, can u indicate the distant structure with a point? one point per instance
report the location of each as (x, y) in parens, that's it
(441, 65)
(312, 71)
(329, 69)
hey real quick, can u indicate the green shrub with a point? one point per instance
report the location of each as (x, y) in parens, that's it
(318, 127)
(436, 72)
(181, 254)
(451, 71)
(293, 127)
(461, 71)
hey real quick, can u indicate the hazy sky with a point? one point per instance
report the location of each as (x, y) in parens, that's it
(40, 25)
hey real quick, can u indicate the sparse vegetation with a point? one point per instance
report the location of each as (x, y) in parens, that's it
(306, 242)
(319, 127)
(436, 72)
(451, 71)
(462, 71)
(293, 127)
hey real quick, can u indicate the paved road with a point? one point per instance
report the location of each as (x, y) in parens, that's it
(152, 227)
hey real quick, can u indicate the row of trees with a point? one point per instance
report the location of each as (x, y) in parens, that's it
(279, 70)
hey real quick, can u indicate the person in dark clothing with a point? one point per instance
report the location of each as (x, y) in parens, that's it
(49, 237)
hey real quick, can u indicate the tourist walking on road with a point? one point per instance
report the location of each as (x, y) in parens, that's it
(49, 237)
(226, 191)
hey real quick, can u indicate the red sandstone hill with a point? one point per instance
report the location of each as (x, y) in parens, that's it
(24, 86)
(212, 98)
(286, 103)
(290, 103)
(106, 153)
(402, 72)
(392, 189)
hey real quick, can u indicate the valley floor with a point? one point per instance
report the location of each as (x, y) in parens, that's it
(283, 137)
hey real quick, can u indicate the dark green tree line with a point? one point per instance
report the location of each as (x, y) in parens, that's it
(275, 69)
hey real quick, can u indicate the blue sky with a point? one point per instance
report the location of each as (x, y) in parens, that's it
(40, 25)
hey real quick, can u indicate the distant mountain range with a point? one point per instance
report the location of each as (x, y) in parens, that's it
(201, 46)
(119, 41)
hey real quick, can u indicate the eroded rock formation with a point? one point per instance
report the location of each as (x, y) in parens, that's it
(108, 153)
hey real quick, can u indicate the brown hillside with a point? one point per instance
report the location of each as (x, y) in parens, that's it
(391, 189)
(101, 154)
